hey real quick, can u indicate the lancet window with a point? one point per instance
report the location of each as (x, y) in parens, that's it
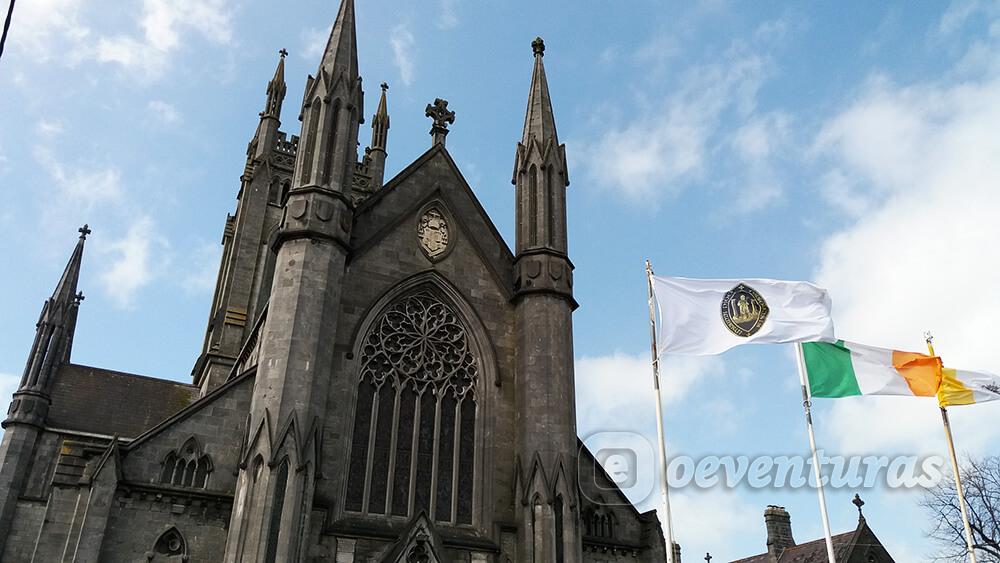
(413, 445)
(187, 467)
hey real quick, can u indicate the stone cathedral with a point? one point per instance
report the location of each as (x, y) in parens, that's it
(382, 378)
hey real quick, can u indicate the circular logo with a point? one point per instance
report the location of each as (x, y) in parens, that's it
(744, 310)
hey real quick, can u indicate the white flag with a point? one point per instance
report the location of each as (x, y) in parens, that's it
(704, 317)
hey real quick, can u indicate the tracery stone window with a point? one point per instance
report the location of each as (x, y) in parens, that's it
(413, 446)
(186, 467)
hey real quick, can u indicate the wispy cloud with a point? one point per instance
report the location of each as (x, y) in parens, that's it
(133, 261)
(448, 14)
(313, 42)
(162, 22)
(403, 45)
(163, 112)
(201, 268)
(42, 27)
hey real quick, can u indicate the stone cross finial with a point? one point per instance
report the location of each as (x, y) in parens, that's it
(78, 298)
(84, 231)
(442, 116)
(385, 86)
(283, 53)
(708, 557)
(859, 503)
(538, 47)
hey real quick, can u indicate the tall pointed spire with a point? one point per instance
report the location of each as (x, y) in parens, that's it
(540, 172)
(332, 109)
(276, 89)
(380, 140)
(341, 52)
(539, 121)
(53, 332)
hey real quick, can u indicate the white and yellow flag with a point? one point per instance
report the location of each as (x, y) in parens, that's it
(705, 317)
(967, 387)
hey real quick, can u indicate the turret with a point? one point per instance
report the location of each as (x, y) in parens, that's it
(380, 140)
(244, 282)
(270, 118)
(280, 466)
(27, 413)
(546, 483)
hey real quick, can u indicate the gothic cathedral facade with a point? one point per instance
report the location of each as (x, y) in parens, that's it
(382, 378)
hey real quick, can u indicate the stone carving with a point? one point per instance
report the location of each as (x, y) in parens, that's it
(433, 233)
(421, 342)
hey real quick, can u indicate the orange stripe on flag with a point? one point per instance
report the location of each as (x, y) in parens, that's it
(922, 373)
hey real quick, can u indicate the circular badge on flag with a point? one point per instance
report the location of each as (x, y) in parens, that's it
(744, 310)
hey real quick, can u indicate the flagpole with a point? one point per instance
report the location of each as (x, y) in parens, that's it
(807, 406)
(659, 415)
(954, 465)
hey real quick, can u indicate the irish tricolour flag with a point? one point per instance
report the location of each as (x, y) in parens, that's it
(845, 369)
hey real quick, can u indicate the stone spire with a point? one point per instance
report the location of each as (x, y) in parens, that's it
(538, 121)
(380, 140)
(332, 108)
(289, 403)
(30, 405)
(341, 53)
(270, 119)
(546, 438)
(540, 169)
(56, 324)
(276, 89)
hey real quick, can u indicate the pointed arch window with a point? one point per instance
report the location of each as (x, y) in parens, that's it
(170, 546)
(413, 445)
(187, 467)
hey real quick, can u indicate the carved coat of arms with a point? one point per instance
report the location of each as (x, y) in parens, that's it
(433, 233)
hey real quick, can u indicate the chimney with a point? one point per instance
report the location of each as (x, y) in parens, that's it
(779, 530)
(677, 552)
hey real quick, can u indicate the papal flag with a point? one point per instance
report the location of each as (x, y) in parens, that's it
(846, 369)
(964, 387)
(704, 317)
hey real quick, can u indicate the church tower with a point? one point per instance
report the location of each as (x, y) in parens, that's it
(546, 485)
(247, 265)
(274, 492)
(28, 411)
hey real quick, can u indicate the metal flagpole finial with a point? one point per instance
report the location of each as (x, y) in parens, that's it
(928, 337)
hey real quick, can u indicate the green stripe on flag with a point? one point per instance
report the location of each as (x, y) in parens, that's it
(830, 371)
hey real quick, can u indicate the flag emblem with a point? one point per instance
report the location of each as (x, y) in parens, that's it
(744, 311)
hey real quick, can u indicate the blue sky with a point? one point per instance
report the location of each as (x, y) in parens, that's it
(851, 143)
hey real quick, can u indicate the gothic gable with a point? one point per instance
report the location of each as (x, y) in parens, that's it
(428, 192)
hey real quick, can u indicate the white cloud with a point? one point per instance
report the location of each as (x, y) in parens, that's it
(702, 517)
(49, 127)
(650, 156)
(162, 23)
(133, 261)
(448, 14)
(40, 25)
(616, 392)
(81, 188)
(314, 42)
(403, 45)
(163, 112)
(918, 165)
(201, 269)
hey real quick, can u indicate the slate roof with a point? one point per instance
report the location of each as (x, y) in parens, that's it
(811, 552)
(101, 401)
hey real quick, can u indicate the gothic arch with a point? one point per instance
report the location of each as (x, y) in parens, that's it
(187, 466)
(433, 387)
(169, 546)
